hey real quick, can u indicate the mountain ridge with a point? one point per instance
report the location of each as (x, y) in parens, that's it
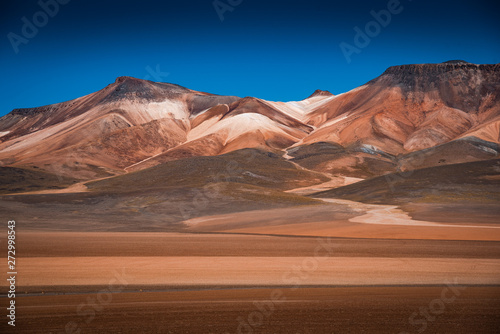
(408, 108)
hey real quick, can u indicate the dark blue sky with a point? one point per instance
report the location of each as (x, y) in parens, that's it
(276, 50)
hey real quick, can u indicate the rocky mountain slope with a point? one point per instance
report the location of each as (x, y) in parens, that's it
(412, 116)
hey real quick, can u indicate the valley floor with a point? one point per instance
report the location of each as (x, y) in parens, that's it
(305, 311)
(220, 282)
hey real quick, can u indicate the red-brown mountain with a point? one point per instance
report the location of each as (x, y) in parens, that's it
(409, 117)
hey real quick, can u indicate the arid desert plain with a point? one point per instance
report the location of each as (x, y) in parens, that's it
(148, 207)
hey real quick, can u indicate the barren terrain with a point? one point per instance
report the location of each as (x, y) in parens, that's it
(148, 207)
(305, 311)
(330, 283)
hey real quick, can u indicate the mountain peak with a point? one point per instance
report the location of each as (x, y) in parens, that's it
(127, 78)
(126, 87)
(456, 62)
(431, 70)
(459, 84)
(320, 92)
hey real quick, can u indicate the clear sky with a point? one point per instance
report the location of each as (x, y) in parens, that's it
(276, 50)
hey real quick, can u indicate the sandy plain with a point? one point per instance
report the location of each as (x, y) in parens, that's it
(373, 270)
(302, 311)
(211, 282)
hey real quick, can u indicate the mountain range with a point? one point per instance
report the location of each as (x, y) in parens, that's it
(137, 134)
